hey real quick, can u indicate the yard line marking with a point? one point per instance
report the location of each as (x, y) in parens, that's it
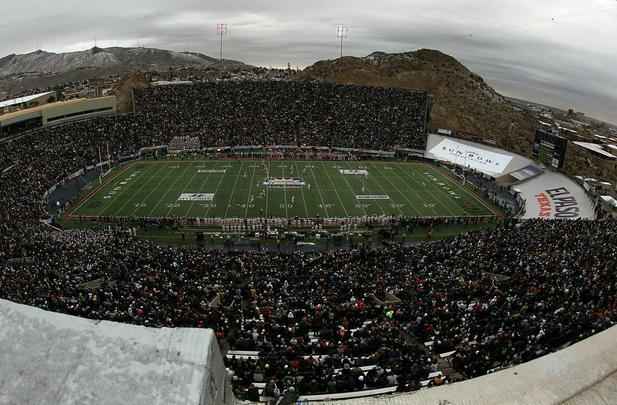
(201, 186)
(285, 194)
(96, 190)
(409, 179)
(444, 203)
(233, 190)
(136, 193)
(469, 193)
(172, 187)
(384, 191)
(323, 204)
(248, 196)
(215, 192)
(411, 204)
(383, 212)
(335, 190)
(306, 213)
(421, 192)
(267, 167)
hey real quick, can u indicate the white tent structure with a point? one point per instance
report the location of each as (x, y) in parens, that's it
(50, 358)
(489, 160)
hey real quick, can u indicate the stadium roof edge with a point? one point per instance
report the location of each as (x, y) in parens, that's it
(50, 106)
(596, 148)
(25, 99)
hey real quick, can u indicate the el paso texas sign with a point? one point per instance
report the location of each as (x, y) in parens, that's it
(558, 203)
(554, 195)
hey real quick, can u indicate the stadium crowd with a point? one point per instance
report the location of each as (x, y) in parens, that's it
(231, 113)
(495, 298)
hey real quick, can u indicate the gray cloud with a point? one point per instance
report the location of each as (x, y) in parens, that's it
(559, 52)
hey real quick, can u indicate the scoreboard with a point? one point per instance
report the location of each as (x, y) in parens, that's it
(550, 148)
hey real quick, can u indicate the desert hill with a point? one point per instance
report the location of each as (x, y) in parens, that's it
(462, 100)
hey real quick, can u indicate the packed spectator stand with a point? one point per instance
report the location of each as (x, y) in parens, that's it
(230, 113)
(336, 321)
(184, 143)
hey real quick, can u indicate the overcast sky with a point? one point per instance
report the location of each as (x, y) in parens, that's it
(558, 52)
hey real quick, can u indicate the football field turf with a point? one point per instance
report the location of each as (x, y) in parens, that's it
(240, 189)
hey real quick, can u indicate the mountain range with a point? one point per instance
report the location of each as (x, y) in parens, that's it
(121, 59)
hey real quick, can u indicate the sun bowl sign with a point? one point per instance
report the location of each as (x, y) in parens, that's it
(477, 158)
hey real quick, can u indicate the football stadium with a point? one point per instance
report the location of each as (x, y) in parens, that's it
(273, 179)
(292, 241)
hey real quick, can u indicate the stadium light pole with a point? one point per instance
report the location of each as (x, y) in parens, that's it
(221, 30)
(341, 33)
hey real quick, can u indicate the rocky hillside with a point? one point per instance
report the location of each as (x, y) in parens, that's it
(101, 58)
(461, 99)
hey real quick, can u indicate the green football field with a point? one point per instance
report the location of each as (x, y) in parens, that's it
(283, 189)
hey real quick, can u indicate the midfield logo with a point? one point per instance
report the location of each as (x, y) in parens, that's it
(196, 197)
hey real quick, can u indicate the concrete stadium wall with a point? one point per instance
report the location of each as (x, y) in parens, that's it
(14, 118)
(52, 358)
